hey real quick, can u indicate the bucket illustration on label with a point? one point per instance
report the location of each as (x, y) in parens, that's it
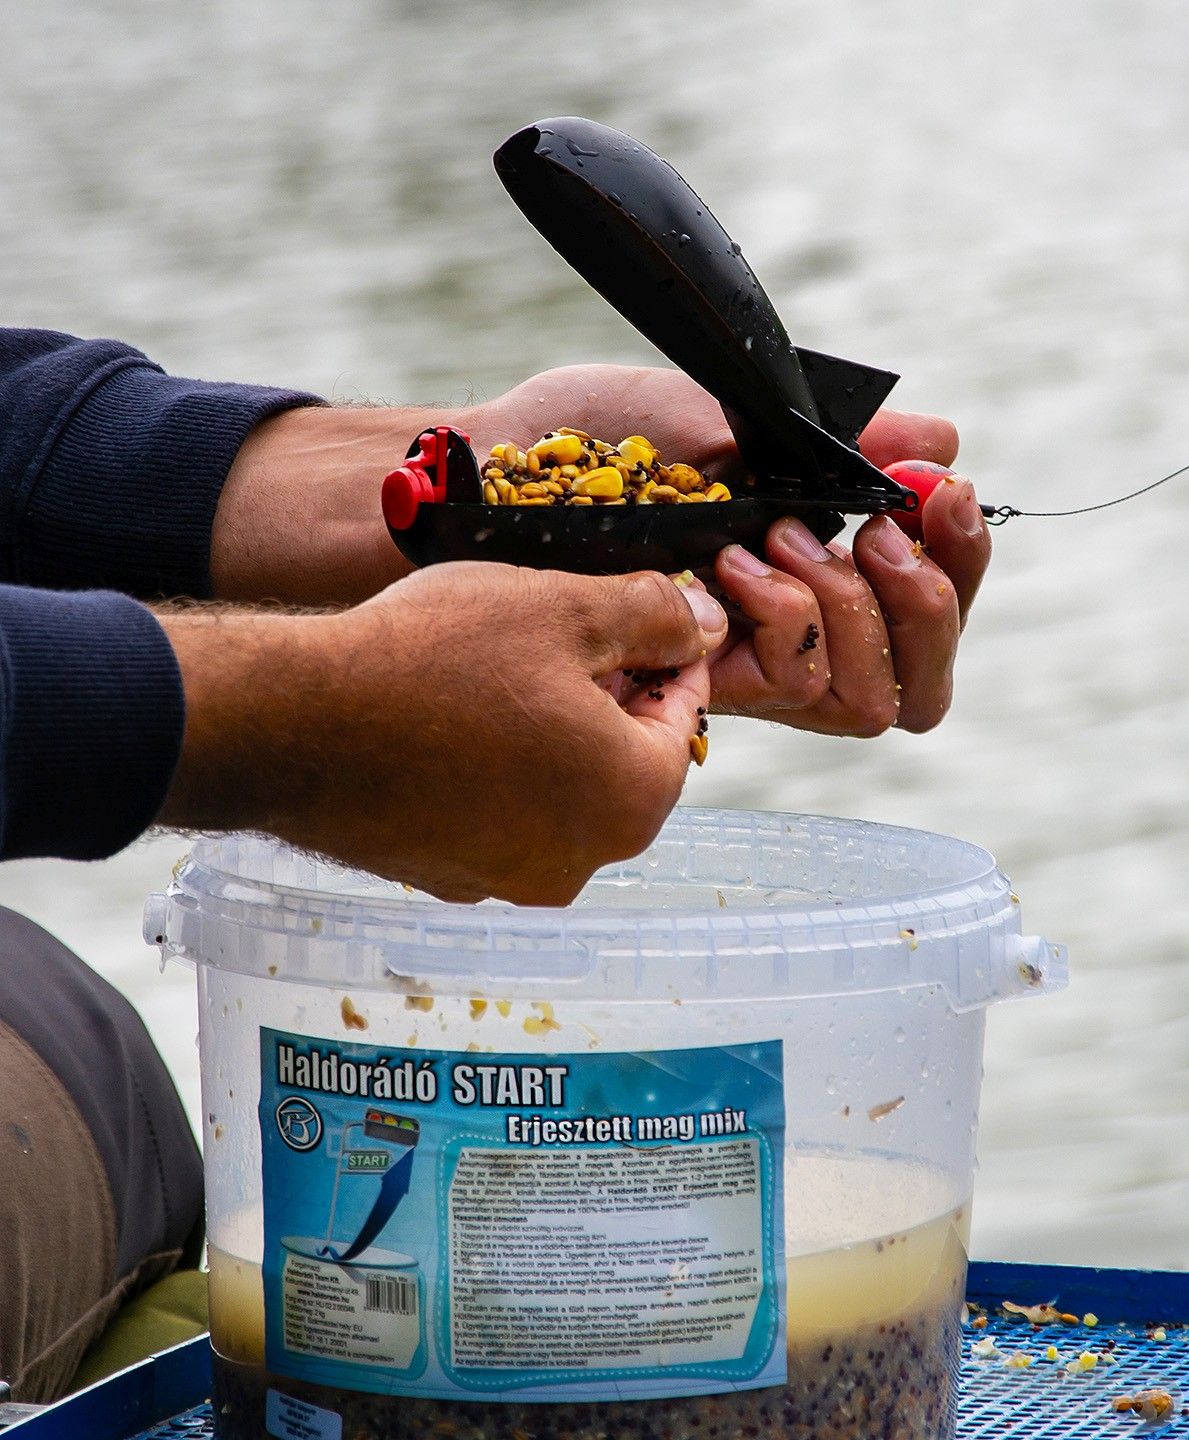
(354, 1302)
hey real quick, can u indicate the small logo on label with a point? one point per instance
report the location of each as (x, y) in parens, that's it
(299, 1123)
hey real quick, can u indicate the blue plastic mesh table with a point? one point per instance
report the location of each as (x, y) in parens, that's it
(163, 1399)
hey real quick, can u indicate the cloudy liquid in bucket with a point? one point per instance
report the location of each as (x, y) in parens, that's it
(873, 1334)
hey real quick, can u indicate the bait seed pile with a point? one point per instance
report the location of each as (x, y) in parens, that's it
(568, 467)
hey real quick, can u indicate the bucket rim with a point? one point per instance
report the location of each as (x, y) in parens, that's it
(389, 896)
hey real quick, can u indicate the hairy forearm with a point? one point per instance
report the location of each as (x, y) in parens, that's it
(299, 517)
(247, 676)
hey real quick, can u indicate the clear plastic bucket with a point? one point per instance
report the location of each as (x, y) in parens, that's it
(696, 1152)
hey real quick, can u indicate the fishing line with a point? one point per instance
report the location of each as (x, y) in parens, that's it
(1001, 514)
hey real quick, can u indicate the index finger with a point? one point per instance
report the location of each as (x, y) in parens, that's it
(900, 435)
(657, 726)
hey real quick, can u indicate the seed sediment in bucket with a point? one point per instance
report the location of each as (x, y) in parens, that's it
(696, 1152)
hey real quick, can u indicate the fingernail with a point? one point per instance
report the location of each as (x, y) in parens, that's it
(711, 617)
(967, 516)
(892, 545)
(740, 559)
(798, 538)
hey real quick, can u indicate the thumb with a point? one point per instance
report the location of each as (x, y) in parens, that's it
(647, 621)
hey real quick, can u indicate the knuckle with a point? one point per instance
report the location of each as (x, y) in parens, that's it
(654, 592)
(793, 688)
(920, 717)
(815, 687)
(876, 716)
(938, 598)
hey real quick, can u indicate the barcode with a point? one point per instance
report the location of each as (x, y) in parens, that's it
(391, 1295)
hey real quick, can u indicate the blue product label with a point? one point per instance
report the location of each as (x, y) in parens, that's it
(524, 1227)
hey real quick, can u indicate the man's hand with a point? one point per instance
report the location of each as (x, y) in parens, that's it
(455, 732)
(887, 618)
(300, 521)
(885, 621)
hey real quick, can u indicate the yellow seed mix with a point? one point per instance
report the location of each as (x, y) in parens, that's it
(568, 467)
(1087, 1360)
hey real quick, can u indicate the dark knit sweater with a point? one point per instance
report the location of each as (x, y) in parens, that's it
(110, 472)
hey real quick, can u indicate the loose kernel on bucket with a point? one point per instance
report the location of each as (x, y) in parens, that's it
(352, 1019)
(568, 467)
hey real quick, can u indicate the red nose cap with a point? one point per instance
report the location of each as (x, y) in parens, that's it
(922, 477)
(404, 491)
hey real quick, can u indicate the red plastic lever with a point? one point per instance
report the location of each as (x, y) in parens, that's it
(421, 480)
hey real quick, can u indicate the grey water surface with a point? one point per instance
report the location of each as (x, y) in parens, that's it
(991, 199)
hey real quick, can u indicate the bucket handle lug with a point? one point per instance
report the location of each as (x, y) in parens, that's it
(1039, 967)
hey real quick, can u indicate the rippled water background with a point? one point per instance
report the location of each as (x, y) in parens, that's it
(991, 199)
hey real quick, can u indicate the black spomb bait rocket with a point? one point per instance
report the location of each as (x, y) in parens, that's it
(632, 227)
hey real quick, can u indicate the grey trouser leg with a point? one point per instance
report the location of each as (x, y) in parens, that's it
(100, 1178)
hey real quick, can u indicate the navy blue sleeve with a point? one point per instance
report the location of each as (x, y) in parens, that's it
(91, 722)
(110, 470)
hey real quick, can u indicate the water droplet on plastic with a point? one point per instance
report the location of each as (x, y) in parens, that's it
(747, 344)
(682, 241)
(614, 198)
(736, 248)
(925, 1071)
(575, 149)
(898, 1035)
(831, 1085)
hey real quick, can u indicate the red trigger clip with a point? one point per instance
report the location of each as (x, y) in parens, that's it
(421, 480)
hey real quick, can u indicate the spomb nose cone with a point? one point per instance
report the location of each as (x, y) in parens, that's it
(635, 231)
(639, 235)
